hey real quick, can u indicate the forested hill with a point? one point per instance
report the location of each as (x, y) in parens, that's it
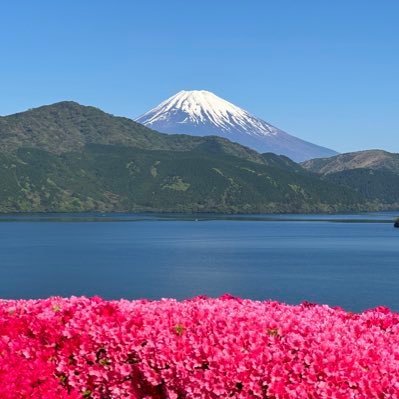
(374, 174)
(68, 126)
(68, 157)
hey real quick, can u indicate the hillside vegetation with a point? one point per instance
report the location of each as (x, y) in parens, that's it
(370, 159)
(374, 174)
(68, 157)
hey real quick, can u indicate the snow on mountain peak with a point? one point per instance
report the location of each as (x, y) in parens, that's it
(202, 107)
(202, 113)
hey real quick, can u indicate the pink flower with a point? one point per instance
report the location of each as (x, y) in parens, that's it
(200, 348)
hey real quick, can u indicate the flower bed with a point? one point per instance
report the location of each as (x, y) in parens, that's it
(200, 348)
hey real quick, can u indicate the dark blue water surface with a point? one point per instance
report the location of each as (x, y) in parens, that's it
(346, 260)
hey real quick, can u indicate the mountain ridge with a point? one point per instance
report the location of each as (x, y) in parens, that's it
(368, 159)
(68, 126)
(73, 158)
(374, 174)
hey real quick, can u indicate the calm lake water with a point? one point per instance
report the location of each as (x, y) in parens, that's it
(346, 260)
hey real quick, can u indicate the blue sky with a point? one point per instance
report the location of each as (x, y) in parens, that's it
(325, 71)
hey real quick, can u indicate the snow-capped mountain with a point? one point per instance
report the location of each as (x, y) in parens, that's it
(202, 113)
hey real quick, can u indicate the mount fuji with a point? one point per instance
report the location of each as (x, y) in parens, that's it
(202, 113)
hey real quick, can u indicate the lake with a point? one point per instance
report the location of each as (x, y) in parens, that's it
(350, 261)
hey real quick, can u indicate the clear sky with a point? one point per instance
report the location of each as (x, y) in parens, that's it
(326, 71)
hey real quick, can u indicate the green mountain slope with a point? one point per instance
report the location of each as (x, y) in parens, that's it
(68, 126)
(380, 187)
(374, 174)
(67, 157)
(114, 178)
(370, 159)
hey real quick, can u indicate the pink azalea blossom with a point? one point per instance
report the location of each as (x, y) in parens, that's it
(200, 348)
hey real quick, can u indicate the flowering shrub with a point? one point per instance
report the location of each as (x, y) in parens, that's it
(200, 348)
